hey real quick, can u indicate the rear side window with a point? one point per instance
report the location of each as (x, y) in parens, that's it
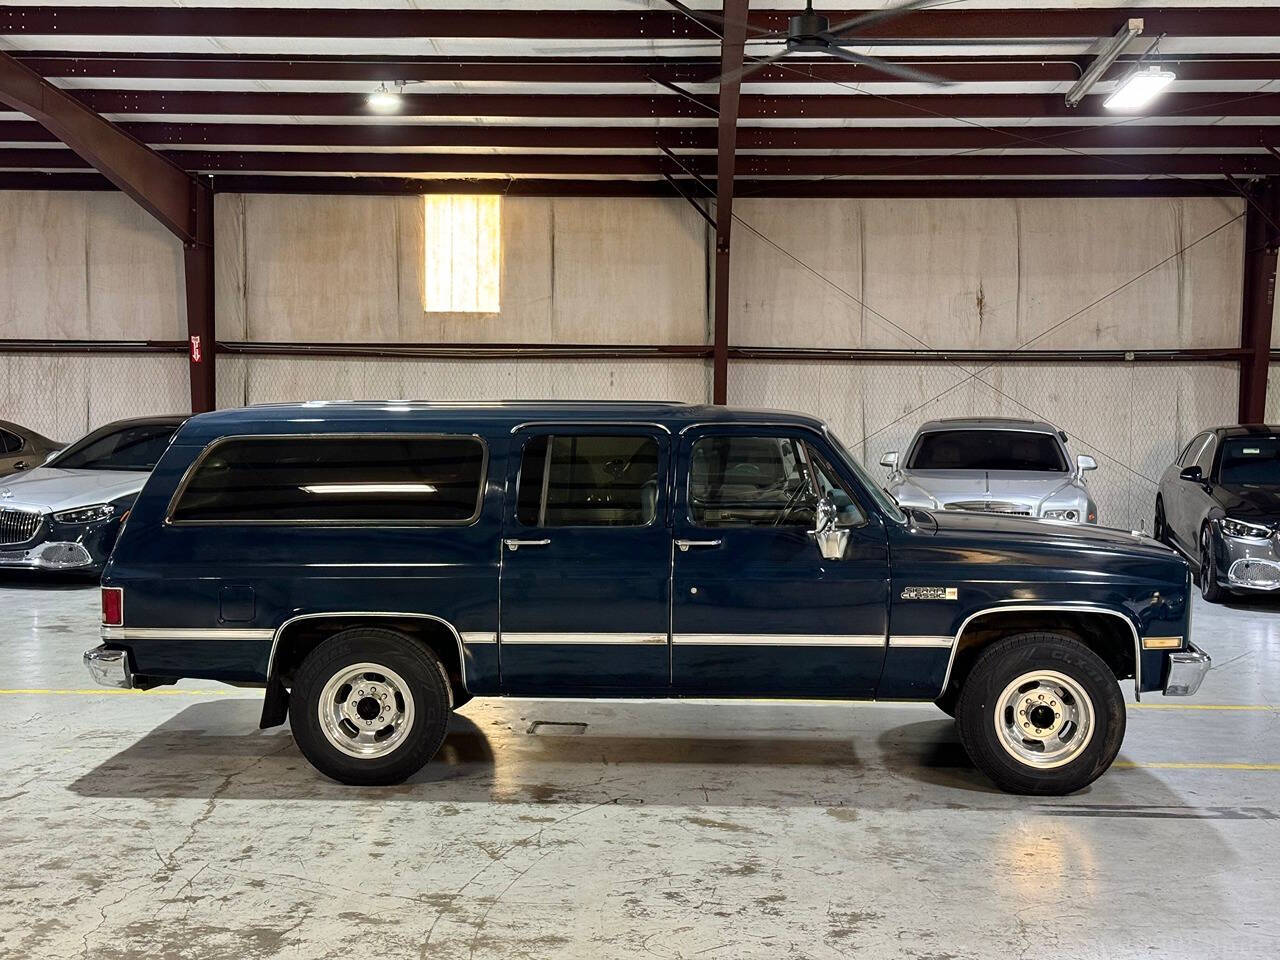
(588, 481)
(336, 480)
(9, 442)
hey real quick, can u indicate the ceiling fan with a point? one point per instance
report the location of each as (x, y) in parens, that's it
(807, 32)
(810, 32)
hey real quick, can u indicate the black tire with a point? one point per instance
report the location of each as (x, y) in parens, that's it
(1210, 589)
(423, 677)
(995, 672)
(1159, 528)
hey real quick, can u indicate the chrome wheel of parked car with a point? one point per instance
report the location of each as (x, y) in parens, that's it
(365, 710)
(369, 706)
(1044, 718)
(1041, 713)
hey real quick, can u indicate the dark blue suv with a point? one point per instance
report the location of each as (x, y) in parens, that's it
(375, 565)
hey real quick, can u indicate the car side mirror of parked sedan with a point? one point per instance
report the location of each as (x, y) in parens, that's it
(1192, 473)
(831, 540)
(889, 459)
(1085, 462)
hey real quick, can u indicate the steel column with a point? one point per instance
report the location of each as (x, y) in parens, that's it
(176, 199)
(732, 50)
(1261, 242)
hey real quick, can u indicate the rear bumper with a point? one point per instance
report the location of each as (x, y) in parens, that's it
(109, 668)
(1187, 669)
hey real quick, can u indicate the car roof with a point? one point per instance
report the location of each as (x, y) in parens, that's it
(1247, 430)
(467, 415)
(26, 432)
(987, 423)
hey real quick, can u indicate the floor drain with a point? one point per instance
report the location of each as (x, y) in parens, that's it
(555, 728)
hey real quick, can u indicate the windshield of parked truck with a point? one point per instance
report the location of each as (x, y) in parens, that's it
(988, 450)
(1253, 461)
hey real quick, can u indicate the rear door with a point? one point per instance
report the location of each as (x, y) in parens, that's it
(756, 610)
(586, 561)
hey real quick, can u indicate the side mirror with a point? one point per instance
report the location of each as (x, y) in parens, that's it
(52, 454)
(890, 460)
(1192, 473)
(1085, 462)
(831, 540)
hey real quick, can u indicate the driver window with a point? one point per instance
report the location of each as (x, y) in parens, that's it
(761, 481)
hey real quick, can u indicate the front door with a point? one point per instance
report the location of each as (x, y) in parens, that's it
(756, 610)
(586, 561)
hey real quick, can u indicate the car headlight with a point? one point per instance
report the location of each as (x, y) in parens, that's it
(1070, 514)
(99, 511)
(1244, 531)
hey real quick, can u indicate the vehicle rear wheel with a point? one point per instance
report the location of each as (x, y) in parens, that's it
(1210, 589)
(370, 707)
(1041, 713)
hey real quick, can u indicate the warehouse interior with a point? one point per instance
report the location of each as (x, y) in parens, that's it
(206, 206)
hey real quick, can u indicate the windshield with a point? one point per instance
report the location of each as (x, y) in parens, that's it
(1251, 461)
(885, 502)
(988, 450)
(135, 447)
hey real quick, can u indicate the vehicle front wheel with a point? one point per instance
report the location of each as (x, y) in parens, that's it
(1041, 713)
(1159, 529)
(1210, 589)
(370, 707)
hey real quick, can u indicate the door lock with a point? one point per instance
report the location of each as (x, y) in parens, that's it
(514, 545)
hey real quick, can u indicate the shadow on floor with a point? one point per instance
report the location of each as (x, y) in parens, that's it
(38, 580)
(213, 749)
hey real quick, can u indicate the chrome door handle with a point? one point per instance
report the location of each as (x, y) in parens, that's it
(514, 545)
(684, 545)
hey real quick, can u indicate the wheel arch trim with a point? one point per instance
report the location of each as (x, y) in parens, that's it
(1051, 608)
(371, 615)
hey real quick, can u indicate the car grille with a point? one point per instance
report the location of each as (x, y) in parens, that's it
(18, 526)
(989, 506)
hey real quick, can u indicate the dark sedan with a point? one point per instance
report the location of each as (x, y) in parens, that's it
(1219, 504)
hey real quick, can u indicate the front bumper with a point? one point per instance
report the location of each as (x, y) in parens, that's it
(50, 555)
(109, 668)
(1187, 669)
(1249, 564)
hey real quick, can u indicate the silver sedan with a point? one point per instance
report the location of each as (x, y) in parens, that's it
(993, 465)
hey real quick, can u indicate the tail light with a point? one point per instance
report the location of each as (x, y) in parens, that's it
(113, 606)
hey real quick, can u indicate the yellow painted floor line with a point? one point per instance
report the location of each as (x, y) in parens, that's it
(1260, 708)
(113, 691)
(1136, 765)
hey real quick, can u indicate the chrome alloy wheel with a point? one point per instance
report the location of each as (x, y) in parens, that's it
(1044, 719)
(366, 710)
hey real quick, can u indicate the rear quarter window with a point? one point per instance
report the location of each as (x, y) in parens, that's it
(335, 479)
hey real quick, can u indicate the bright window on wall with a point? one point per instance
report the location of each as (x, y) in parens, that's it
(463, 253)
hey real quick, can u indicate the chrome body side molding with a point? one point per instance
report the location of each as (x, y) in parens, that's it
(1059, 608)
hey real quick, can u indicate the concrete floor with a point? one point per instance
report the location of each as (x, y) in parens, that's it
(165, 825)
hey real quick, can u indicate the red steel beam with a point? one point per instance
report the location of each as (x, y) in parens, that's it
(748, 166)
(1119, 136)
(176, 199)
(545, 187)
(605, 106)
(995, 69)
(1261, 244)
(731, 59)
(248, 21)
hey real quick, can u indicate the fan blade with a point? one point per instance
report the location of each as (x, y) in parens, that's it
(676, 46)
(749, 68)
(898, 70)
(877, 16)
